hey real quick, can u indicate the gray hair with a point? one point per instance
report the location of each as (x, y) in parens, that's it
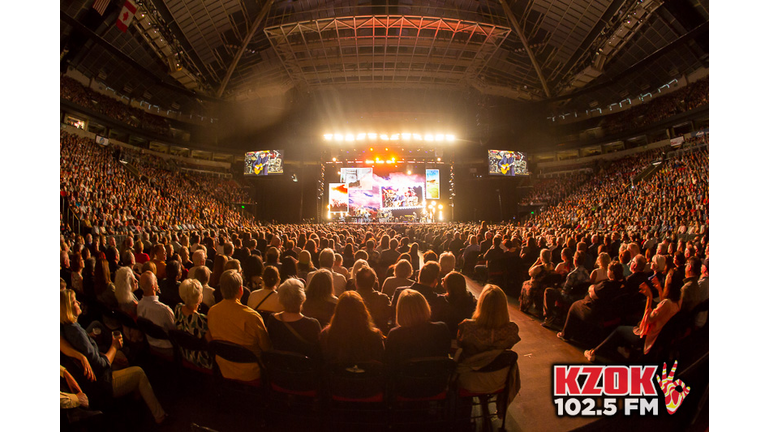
(291, 295)
(124, 285)
(230, 283)
(191, 292)
(326, 258)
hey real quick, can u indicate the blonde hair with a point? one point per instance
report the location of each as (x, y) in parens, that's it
(603, 260)
(491, 311)
(67, 310)
(412, 309)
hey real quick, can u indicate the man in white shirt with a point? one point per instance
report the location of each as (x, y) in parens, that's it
(151, 308)
(325, 259)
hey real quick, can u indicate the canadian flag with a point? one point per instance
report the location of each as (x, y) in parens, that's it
(126, 15)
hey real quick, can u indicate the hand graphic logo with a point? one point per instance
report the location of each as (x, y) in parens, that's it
(672, 397)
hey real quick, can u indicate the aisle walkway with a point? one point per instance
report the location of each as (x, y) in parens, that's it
(539, 348)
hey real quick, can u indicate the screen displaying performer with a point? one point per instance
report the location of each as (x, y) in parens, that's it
(376, 191)
(264, 162)
(402, 197)
(507, 163)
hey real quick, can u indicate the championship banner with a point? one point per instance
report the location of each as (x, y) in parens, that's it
(674, 142)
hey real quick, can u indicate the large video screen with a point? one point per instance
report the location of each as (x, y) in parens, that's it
(507, 163)
(367, 190)
(264, 162)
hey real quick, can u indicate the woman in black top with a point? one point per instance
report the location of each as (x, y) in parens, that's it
(415, 336)
(290, 330)
(461, 303)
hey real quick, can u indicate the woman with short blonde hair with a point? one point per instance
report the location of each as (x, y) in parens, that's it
(415, 335)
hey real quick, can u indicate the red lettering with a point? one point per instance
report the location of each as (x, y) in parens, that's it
(565, 380)
(641, 381)
(616, 380)
(590, 385)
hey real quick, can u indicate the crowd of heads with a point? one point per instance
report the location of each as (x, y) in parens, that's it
(73, 91)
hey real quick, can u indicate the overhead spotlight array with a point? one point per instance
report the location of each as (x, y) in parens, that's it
(403, 136)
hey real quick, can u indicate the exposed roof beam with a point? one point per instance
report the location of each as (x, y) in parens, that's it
(245, 43)
(166, 81)
(700, 29)
(528, 50)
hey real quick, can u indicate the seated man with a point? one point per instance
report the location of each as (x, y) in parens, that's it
(429, 278)
(151, 308)
(231, 321)
(326, 259)
(585, 315)
(557, 301)
(376, 302)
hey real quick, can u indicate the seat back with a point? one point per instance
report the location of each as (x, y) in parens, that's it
(151, 329)
(360, 382)
(291, 373)
(503, 360)
(124, 318)
(232, 352)
(426, 378)
(182, 339)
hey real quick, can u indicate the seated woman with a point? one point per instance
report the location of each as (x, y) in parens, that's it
(320, 302)
(601, 272)
(305, 265)
(481, 340)
(532, 292)
(291, 331)
(125, 285)
(490, 327)
(415, 336)
(351, 336)
(566, 265)
(109, 383)
(266, 299)
(188, 319)
(460, 305)
(627, 340)
(403, 272)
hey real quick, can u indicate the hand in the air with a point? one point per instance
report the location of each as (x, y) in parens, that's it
(673, 398)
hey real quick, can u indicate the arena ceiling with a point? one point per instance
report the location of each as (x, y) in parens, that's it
(183, 54)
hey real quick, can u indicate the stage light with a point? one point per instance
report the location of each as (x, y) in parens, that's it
(406, 136)
(329, 207)
(333, 159)
(339, 173)
(368, 162)
(395, 137)
(417, 137)
(386, 148)
(450, 138)
(429, 137)
(371, 148)
(328, 137)
(329, 215)
(439, 159)
(409, 172)
(378, 159)
(338, 137)
(360, 136)
(441, 216)
(384, 137)
(439, 137)
(349, 137)
(372, 136)
(440, 206)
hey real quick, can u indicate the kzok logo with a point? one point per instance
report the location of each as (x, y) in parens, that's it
(576, 385)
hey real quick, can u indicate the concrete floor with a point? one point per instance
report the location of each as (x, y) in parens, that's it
(538, 349)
